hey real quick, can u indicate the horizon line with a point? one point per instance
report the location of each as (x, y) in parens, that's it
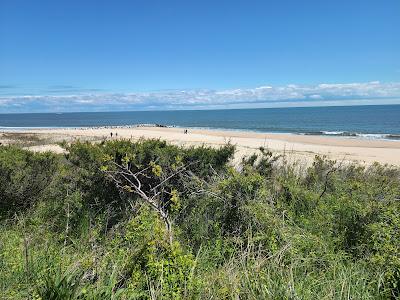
(205, 109)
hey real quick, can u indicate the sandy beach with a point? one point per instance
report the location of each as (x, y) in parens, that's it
(298, 147)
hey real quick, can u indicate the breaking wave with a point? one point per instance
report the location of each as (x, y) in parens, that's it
(380, 136)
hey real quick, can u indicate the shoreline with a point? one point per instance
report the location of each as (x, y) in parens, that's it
(395, 137)
(296, 146)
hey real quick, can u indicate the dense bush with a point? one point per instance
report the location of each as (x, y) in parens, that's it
(23, 177)
(266, 229)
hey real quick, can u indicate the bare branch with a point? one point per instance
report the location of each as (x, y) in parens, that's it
(123, 177)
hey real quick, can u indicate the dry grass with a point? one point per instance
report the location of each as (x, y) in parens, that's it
(22, 139)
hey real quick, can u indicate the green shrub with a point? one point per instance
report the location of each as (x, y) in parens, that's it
(24, 176)
(268, 229)
(383, 242)
(150, 262)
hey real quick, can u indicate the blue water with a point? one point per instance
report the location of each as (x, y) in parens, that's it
(381, 121)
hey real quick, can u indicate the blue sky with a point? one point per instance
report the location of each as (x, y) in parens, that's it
(125, 55)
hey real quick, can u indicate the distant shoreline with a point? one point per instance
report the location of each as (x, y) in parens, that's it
(303, 147)
(336, 134)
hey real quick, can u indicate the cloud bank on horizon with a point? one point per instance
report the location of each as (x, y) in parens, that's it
(291, 95)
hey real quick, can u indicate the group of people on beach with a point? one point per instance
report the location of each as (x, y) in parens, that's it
(185, 131)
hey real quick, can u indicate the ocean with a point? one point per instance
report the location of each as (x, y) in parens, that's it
(374, 121)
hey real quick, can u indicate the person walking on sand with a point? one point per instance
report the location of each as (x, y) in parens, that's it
(111, 134)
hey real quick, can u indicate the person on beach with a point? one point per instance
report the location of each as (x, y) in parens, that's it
(111, 134)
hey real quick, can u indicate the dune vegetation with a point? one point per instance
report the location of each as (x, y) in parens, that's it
(151, 220)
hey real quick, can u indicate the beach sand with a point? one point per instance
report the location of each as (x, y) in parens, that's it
(298, 147)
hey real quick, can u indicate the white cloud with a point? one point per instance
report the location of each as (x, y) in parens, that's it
(373, 92)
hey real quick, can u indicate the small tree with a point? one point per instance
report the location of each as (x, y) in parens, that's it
(149, 183)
